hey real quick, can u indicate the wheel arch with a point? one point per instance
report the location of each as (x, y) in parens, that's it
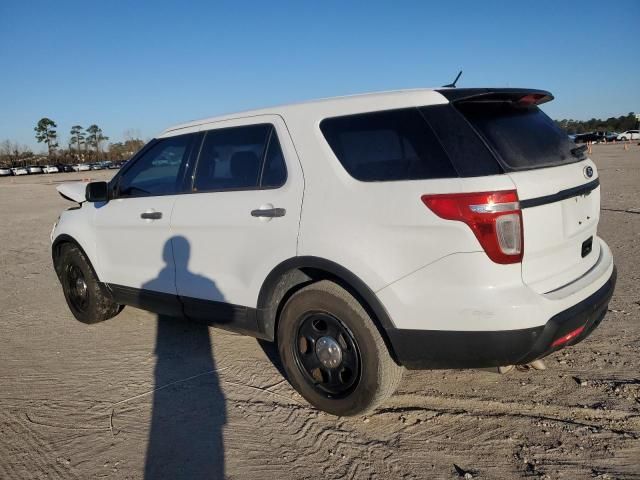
(56, 250)
(291, 275)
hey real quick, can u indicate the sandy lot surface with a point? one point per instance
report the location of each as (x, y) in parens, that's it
(146, 397)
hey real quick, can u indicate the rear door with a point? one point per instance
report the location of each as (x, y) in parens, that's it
(557, 186)
(240, 220)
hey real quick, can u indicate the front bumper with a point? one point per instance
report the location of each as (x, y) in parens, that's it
(424, 349)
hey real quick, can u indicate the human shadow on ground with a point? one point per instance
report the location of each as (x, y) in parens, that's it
(189, 411)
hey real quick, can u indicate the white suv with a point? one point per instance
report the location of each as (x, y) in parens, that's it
(629, 135)
(449, 228)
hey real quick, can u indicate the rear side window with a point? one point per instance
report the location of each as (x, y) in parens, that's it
(465, 148)
(522, 137)
(386, 146)
(238, 158)
(274, 172)
(159, 171)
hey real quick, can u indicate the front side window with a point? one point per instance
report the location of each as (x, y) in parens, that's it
(387, 145)
(159, 170)
(239, 158)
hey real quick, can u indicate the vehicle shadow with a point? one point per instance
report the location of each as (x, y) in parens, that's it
(270, 349)
(189, 410)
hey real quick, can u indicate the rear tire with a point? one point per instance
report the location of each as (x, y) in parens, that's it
(333, 353)
(87, 298)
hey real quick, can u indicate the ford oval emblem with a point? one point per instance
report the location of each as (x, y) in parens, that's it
(588, 171)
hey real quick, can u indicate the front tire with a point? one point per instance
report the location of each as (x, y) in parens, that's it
(333, 353)
(88, 299)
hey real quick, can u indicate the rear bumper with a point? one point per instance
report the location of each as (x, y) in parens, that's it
(423, 349)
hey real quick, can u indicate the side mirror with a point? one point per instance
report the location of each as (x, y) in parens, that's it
(97, 192)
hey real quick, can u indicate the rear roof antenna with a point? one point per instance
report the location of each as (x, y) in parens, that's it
(453, 84)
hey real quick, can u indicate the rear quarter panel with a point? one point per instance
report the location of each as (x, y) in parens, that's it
(380, 231)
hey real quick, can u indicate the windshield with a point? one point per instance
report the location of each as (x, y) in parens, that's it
(522, 137)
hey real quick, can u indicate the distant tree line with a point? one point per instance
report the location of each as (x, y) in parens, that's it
(611, 124)
(13, 153)
(84, 145)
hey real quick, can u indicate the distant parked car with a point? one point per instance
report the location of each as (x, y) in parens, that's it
(81, 167)
(33, 169)
(96, 166)
(629, 135)
(50, 169)
(65, 167)
(583, 137)
(610, 136)
(115, 165)
(5, 172)
(20, 171)
(589, 137)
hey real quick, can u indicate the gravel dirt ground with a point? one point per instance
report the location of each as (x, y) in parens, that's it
(142, 396)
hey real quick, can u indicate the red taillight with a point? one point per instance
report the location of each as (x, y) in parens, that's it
(494, 217)
(569, 336)
(533, 99)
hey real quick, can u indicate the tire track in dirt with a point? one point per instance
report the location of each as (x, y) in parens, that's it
(330, 447)
(21, 439)
(458, 405)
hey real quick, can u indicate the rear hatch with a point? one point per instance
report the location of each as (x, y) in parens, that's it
(557, 184)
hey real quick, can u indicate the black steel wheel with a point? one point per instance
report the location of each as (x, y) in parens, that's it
(76, 285)
(88, 299)
(332, 351)
(327, 353)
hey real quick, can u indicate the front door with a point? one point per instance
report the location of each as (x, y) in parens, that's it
(133, 236)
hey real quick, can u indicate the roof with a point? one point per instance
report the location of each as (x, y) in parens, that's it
(349, 104)
(323, 104)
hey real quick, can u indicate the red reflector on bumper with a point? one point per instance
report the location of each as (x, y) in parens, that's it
(569, 336)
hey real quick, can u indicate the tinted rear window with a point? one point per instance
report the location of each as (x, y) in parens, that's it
(388, 145)
(466, 150)
(522, 137)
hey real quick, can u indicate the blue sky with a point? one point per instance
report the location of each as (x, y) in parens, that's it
(147, 65)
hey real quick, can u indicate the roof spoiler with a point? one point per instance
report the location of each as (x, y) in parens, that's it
(522, 96)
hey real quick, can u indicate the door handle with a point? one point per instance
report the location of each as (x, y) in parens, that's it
(268, 212)
(151, 215)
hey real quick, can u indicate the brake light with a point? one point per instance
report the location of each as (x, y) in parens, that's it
(494, 217)
(569, 336)
(533, 99)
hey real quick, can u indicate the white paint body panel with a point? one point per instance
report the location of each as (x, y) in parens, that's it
(469, 292)
(132, 251)
(553, 233)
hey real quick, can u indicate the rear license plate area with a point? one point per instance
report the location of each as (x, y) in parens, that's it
(587, 246)
(579, 214)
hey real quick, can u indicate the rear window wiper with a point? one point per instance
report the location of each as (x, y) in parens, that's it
(578, 152)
